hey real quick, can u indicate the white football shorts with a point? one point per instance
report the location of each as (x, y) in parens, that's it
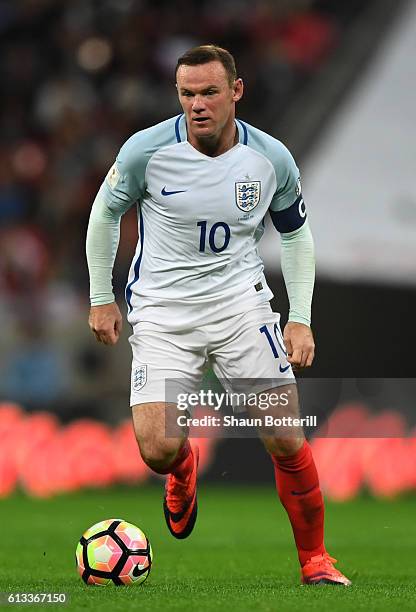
(247, 346)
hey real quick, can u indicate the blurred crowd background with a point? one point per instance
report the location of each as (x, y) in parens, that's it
(78, 77)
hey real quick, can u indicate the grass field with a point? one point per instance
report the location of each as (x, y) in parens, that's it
(240, 557)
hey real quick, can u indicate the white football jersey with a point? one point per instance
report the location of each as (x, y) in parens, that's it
(200, 219)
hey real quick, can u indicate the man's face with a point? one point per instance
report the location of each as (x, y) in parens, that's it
(207, 98)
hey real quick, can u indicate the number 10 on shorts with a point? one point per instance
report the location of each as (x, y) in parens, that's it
(278, 338)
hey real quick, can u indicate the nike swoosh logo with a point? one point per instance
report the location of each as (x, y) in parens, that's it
(284, 369)
(303, 492)
(168, 193)
(176, 517)
(139, 572)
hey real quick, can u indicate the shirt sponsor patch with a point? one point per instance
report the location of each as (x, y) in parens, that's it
(113, 176)
(298, 188)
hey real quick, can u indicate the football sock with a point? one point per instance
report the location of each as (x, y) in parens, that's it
(182, 464)
(298, 488)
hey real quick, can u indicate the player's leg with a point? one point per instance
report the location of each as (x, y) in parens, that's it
(169, 452)
(154, 425)
(255, 350)
(280, 440)
(163, 443)
(298, 487)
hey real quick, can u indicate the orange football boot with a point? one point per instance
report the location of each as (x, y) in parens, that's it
(180, 503)
(320, 570)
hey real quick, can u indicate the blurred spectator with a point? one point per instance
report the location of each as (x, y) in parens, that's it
(34, 373)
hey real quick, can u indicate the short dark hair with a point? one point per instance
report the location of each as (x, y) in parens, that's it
(209, 53)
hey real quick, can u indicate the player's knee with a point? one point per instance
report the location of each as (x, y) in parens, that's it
(159, 454)
(157, 450)
(283, 447)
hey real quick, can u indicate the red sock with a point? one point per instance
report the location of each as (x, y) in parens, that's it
(182, 464)
(298, 487)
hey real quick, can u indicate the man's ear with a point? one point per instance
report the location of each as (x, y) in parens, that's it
(238, 89)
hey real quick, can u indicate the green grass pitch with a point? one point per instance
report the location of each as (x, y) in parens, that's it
(240, 556)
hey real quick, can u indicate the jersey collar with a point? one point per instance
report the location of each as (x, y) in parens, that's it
(182, 136)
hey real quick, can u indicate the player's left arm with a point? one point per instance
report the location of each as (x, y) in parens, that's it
(288, 214)
(298, 267)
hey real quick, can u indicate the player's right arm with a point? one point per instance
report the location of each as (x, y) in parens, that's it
(120, 189)
(105, 322)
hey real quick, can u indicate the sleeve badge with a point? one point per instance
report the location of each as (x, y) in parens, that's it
(113, 176)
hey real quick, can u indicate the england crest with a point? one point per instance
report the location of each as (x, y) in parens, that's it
(247, 195)
(139, 377)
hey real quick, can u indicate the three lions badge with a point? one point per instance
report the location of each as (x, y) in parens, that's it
(139, 377)
(247, 195)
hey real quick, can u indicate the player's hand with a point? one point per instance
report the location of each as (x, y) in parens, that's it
(106, 323)
(299, 344)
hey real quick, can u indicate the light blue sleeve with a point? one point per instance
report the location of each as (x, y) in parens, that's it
(124, 185)
(288, 180)
(125, 181)
(285, 169)
(298, 267)
(288, 213)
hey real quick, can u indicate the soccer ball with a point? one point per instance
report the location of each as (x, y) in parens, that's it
(114, 552)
